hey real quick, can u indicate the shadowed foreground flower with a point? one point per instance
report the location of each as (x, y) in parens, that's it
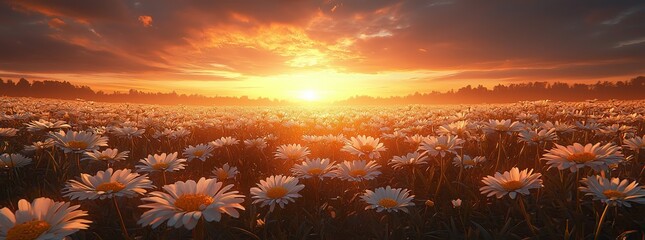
(576, 156)
(107, 184)
(185, 203)
(276, 190)
(41, 219)
(14, 160)
(635, 144)
(511, 183)
(319, 167)
(357, 171)
(388, 199)
(613, 191)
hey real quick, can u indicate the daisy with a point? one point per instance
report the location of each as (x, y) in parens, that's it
(357, 171)
(535, 137)
(501, 126)
(467, 162)
(36, 146)
(456, 203)
(293, 152)
(128, 132)
(319, 167)
(635, 144)
(558, 126)
(409, 160)
(577, 156)
(107, 184)
(8, 132)
(613, 191)
(224, 141)
(511, 183)
(109, 155)
(362, 145)
(14, 160)
(164, 162)
(388, 199)
(276, 190)
(185, 203)
(258, 143)
(78, 142)
(415, 140)
(201, 152)
(44, 125)
(43, 218)
(225, 172)
(441, 145)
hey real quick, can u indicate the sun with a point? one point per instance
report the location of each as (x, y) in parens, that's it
(308, 95)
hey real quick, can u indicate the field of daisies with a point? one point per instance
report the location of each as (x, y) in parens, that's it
(528, 170)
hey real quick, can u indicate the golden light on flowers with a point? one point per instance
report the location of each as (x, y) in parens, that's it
(388, 199)
(184, 204)
(43, 218)
(193, 202)
(573, 157)
(276, 192)
(110, 187)
(28, 230)
(511, 183)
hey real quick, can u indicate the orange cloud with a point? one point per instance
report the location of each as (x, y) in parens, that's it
(145, 20)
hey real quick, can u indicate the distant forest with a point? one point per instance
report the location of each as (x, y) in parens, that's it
(625, 90)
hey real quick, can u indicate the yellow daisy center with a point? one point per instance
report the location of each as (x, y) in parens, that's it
(358, 173)
(160, 166)
(293, 155)
(614, 194)
(221, 174)
(367, 148)
(77, 145)
(110, 186)
(198, 153)
(387, 202)
(277, 192)
(192, 202)
(28, 230)
(314, 171)
(469, 162)
(582, 157)
(440, 147)
(512, 185)
(501, 127)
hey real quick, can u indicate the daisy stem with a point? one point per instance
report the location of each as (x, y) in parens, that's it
(163, 176)
(602, 219)
(441, 170)
(198, 231)
(526, 215)
(124, 230)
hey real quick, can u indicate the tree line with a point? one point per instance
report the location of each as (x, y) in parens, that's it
(531, 91)
(624, 90)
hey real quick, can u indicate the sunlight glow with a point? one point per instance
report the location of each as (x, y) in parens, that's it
(309, 95)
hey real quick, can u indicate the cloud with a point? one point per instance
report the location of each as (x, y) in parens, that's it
(250, 40)
(145, 20)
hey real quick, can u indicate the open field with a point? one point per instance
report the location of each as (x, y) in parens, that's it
(548, 170)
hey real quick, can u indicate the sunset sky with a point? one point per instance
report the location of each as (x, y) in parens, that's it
(325, 50)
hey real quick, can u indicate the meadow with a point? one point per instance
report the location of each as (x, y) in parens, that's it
(526, 170)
